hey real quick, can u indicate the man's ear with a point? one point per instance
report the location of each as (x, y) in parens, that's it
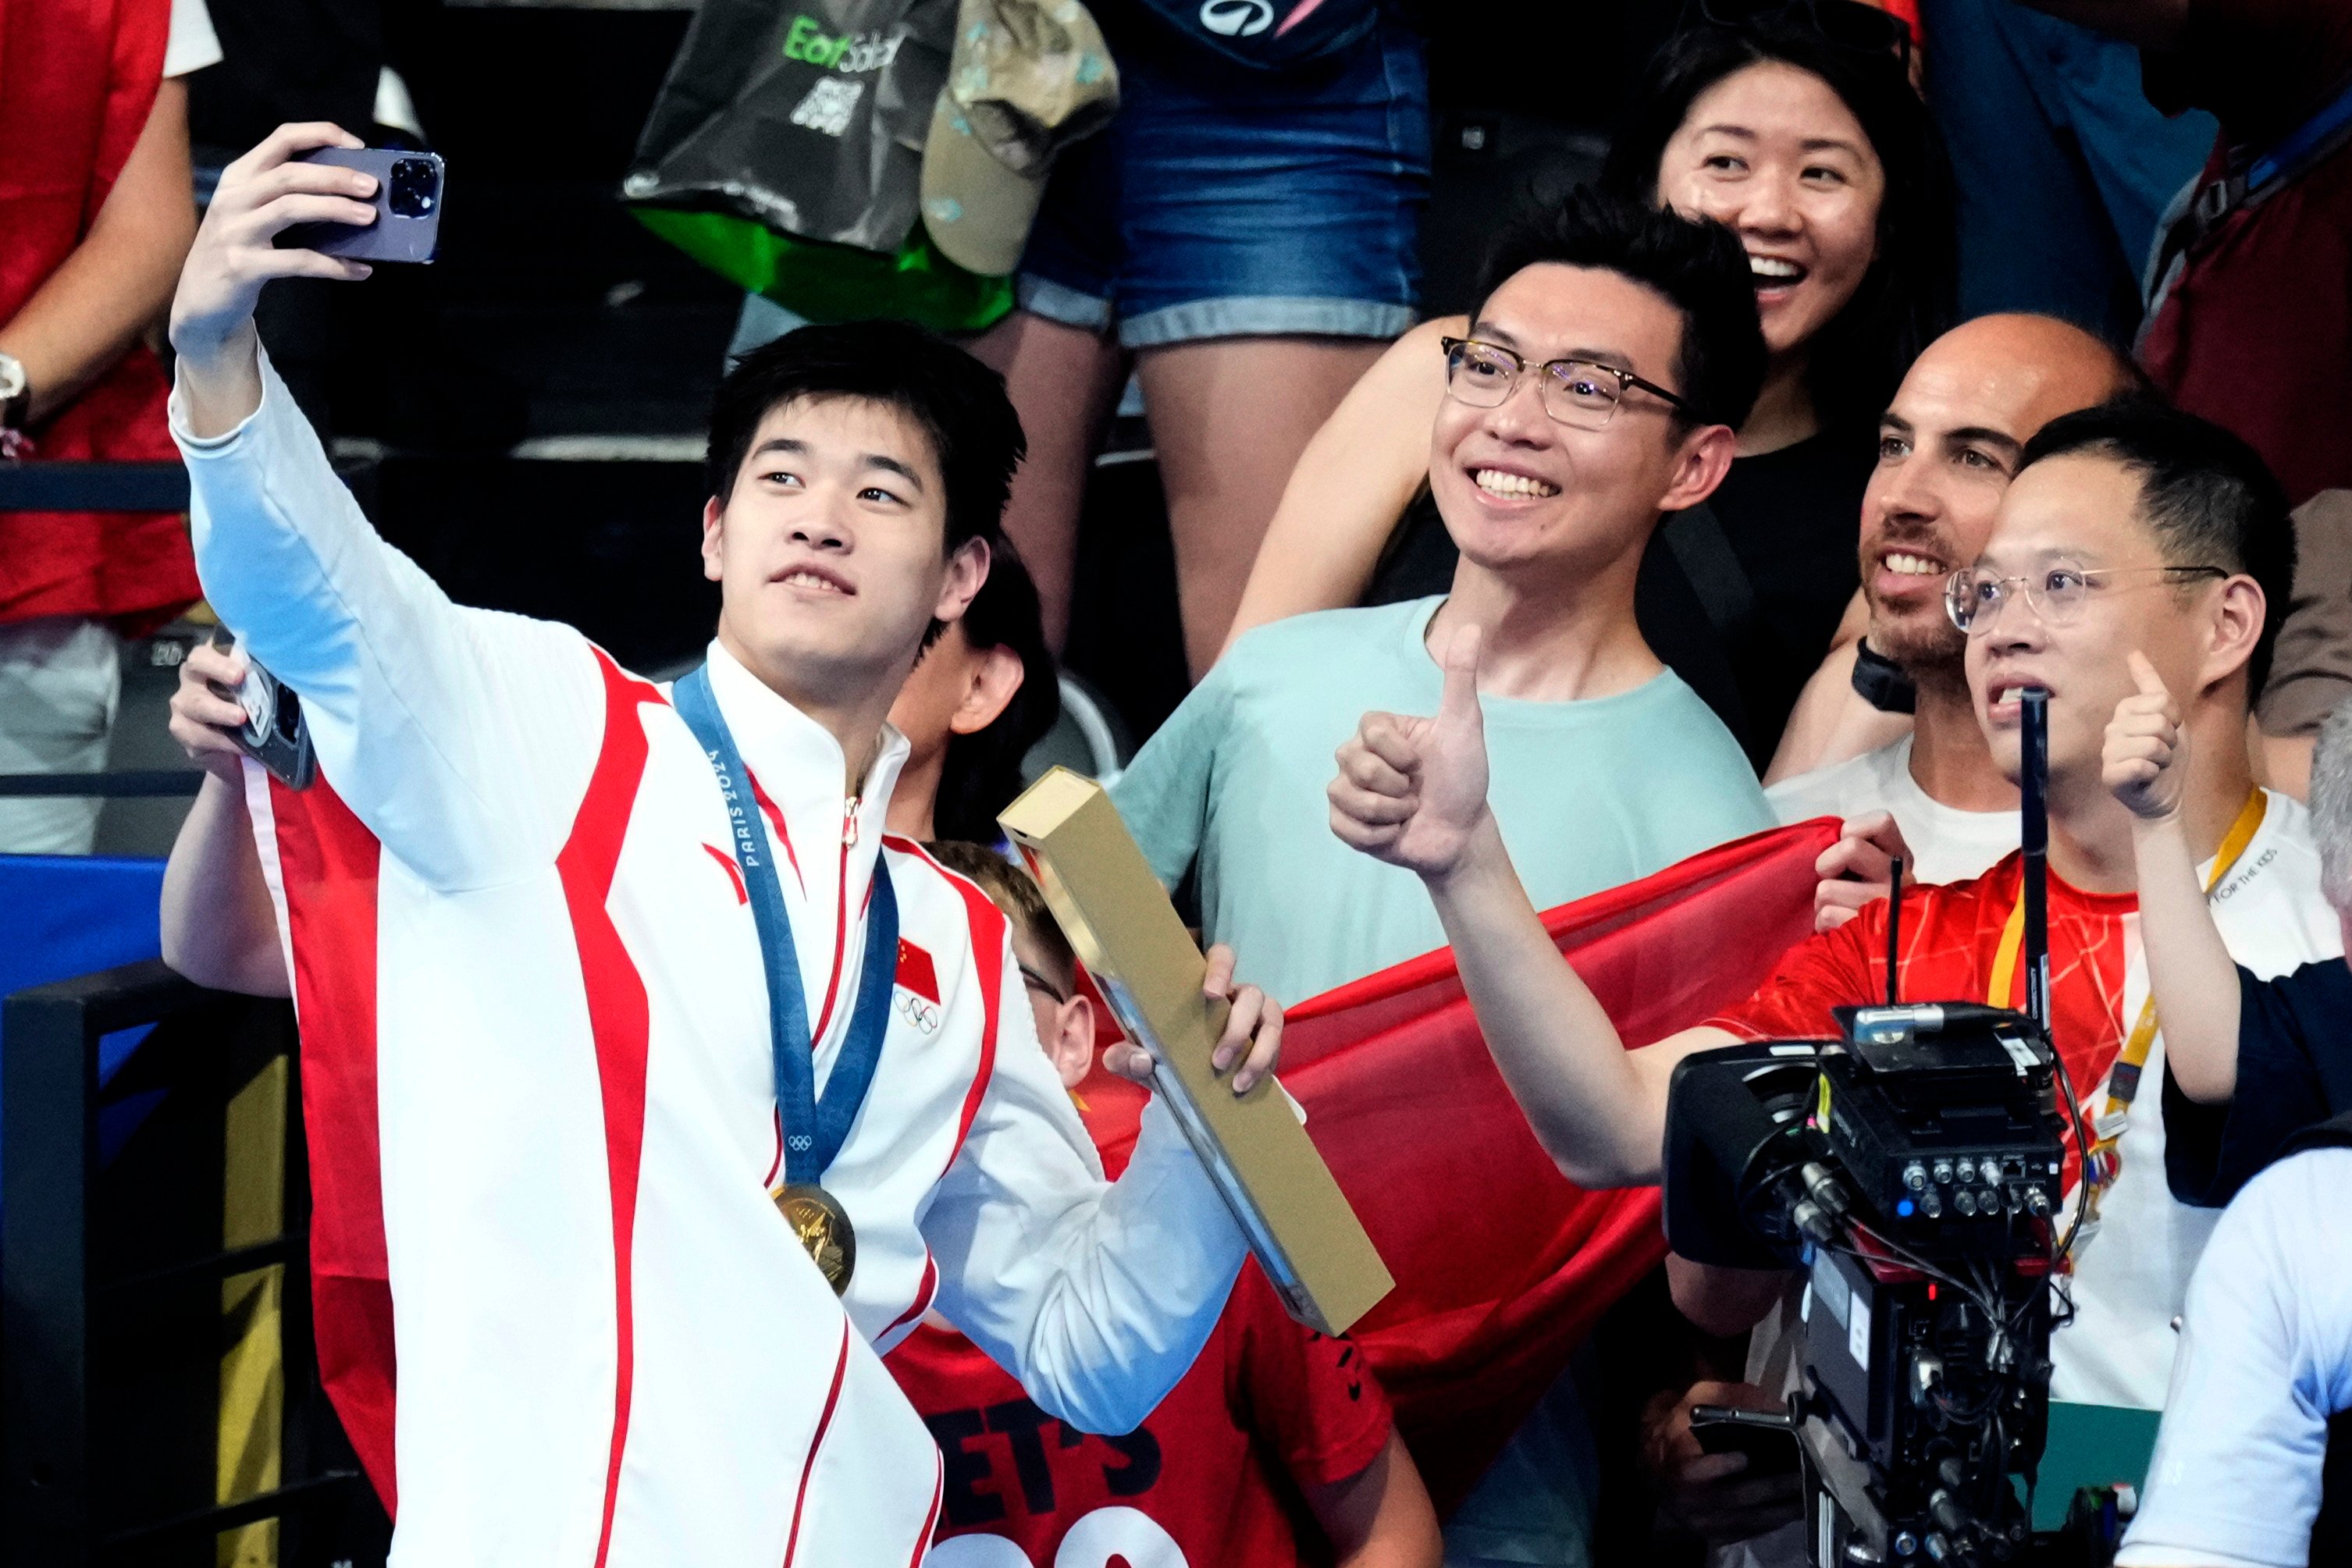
(966, 569)
(1072, 1048)
(996, 678)
(714, 530)
(2235, 627)
(1705, 458)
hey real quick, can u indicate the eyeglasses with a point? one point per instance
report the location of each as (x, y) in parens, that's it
(1973, 599)
(1576, 393)
(1037, 982)
(1851, 24)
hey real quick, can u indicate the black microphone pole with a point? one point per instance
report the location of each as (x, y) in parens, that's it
(2034, 713)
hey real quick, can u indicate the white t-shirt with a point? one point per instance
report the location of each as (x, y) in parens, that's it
(1950, 845)
(2265, 1359)
(192, 44)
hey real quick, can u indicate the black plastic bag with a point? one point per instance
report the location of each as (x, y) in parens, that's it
(808, 118)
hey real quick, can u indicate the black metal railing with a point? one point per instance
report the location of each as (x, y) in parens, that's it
(123, 1286)
(38, 486)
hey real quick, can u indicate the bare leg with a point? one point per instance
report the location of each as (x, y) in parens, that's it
(1229, 418)
(1065, 383)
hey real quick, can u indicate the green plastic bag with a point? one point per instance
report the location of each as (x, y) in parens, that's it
(838, 282)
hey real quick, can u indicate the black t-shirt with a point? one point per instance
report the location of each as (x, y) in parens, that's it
(2295, 1070)
(1791, 519)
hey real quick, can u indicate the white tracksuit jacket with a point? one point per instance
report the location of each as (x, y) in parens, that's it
(611, 1352)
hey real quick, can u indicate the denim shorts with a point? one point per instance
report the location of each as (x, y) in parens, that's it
(1223, 202)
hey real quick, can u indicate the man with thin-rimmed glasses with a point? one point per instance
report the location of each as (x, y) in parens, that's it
(1603, 371)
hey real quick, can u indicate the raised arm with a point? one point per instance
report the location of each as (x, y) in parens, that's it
(461, 738)
(1413, 791)
(260, 195)
(2190, 974)
(1351, 485)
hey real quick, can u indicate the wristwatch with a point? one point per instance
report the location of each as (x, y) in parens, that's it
(15, 401)
(1881, 681)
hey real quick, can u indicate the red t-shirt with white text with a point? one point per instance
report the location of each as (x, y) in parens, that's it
(1210, 1479)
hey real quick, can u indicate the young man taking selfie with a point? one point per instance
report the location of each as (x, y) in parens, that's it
(611, 1347)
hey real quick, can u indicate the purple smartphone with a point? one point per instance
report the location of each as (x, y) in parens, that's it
(407, 225)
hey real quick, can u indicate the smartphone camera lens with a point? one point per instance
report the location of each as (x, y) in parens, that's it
(415, 188)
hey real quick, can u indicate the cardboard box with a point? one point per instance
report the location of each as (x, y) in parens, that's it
(1118, 917)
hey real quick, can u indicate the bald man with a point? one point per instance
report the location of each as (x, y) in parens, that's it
(1947, 447)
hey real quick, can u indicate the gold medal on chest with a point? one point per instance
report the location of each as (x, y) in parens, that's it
(821, 1226)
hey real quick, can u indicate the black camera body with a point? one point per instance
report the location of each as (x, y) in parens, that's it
(1939, 1114)
(1913, 1166)
(1910, 1168)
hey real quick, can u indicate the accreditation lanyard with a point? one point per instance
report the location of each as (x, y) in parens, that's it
(2104, 1161)
(813, 1127)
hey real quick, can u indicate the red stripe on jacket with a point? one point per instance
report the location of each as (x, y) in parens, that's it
(329, 862)
(808, 1465)
(619, 1015)
(925, 1289)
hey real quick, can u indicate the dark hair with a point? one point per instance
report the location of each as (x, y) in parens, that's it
(1904, 301)
(958, 401)
(981, 773)
(1698, 266)
(2208, 498)
(1010, 889)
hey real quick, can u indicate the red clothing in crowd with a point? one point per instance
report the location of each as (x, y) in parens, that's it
(1210, 1479)
(2130, 1276)
(1950, 937)
(77, 80)
(2256, 332)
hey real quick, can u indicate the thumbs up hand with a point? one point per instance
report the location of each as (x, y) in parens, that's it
(2146, 758)
(1411, 791)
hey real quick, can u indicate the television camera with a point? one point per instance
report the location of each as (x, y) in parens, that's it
(1913, 1169)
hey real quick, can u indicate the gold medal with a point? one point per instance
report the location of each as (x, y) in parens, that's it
(822, 1225)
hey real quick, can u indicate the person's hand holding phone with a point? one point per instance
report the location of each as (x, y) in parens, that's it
(1717, 1496)
(260, 195)
(205, 714)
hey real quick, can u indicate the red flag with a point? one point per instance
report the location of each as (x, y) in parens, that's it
(1502, 1265)
(916, 973)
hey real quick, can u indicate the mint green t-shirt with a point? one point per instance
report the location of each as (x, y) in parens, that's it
(1589, 794)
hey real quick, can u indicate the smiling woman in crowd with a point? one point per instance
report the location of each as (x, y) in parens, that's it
(1800, 130)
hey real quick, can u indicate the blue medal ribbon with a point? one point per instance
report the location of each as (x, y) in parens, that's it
(814, 1128)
